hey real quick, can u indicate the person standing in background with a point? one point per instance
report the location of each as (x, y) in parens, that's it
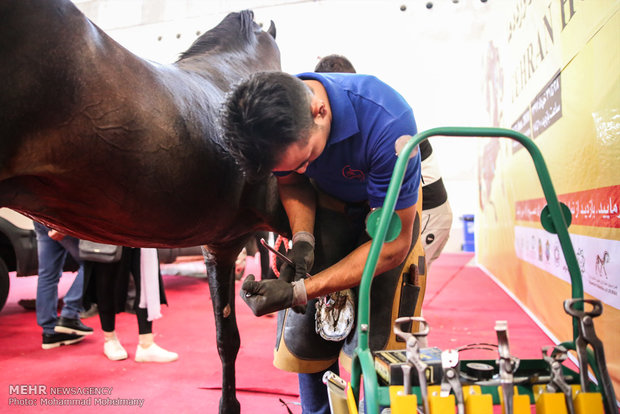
(52, 249)
(436, 210)
(107, 285)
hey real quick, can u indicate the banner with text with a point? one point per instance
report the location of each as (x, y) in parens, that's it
(553, 73)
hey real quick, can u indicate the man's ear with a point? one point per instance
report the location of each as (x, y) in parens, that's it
(314, 108)
(318, 109)
(317, 106)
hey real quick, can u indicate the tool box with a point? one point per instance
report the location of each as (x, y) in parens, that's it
(450, 385)
(388, 366)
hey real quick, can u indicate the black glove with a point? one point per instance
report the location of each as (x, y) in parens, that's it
(302, 255)
(272, 295)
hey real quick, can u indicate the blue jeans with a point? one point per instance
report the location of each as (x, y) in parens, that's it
(52, 254)
(313, 393)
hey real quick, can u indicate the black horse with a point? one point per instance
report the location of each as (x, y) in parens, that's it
(103, 145)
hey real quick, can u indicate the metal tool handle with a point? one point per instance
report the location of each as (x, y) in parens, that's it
(450, 380)
(413, 355)
(587, 336)
(336, 393)
(570, 307)
(557, 382)
(424, 328)
(406, 368)
(280, 255)
(506, 366)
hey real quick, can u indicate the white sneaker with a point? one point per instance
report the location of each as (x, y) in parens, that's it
(114, 350)
(155, 353)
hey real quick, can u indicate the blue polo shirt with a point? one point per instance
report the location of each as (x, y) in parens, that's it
(357, 163)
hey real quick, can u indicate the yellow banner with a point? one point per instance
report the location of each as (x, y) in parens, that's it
(553, 73)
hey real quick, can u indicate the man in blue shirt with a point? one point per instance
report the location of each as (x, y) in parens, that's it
(330, 140)
(436, 210)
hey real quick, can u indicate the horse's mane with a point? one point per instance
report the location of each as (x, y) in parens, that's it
(234, 30)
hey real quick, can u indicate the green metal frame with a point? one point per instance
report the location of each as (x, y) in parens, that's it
(363, 362)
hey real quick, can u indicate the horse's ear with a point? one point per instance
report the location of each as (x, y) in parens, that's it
(272, 29)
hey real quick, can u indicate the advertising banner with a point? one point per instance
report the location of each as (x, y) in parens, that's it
(553, 73)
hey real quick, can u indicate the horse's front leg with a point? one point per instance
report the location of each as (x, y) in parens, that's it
(220, 273)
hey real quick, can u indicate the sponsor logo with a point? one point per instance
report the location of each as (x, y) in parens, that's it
(352, 174)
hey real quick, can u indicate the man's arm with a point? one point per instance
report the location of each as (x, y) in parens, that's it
(348, 272)
(299, 200)
(276, 294)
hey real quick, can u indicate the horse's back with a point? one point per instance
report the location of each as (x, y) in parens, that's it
(102, 144)
(31, 44)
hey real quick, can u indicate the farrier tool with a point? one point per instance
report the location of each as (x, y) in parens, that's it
(557, 383)
(280, 255)
(413, 355)
(450, 380)
(507, 366)
(335, 312)
(586, 336)
(336, 393)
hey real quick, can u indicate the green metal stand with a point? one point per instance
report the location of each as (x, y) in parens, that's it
(555, 221)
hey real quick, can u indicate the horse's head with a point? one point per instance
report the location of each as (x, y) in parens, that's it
(236, 45)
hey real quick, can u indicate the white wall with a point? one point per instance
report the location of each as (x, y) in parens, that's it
(433, 57)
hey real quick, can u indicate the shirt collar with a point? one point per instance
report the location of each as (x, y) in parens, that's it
(344, 119)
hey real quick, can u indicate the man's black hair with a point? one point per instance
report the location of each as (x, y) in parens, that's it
(334, 63)
(262, 117)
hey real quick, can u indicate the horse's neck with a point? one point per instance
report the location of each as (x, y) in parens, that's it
(222, 69)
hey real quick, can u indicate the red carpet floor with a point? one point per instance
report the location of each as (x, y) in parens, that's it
(461, 306)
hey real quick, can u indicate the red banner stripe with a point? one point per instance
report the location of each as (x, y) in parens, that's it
(598, 207)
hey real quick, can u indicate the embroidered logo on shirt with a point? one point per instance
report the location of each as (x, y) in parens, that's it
(351, 174)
